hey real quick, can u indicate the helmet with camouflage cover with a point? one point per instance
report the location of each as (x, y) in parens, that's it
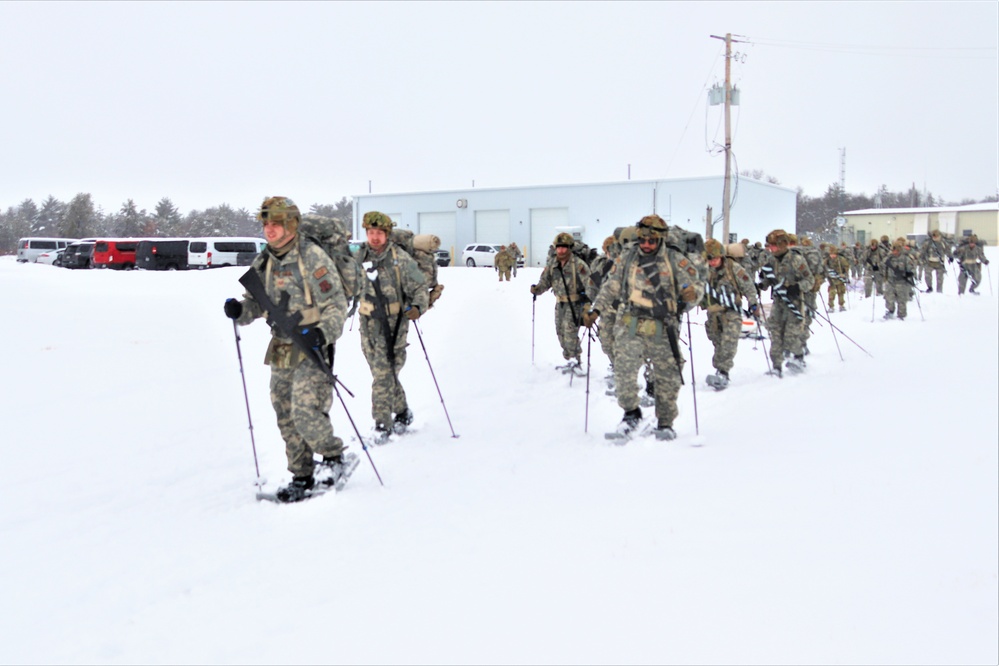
(713, 249)
(280, 210)
(777, 237)
(376, 220)
(652, 226)
(807, 242)
(608, 242)
(885, 239)
(563, 239)
(792, 239)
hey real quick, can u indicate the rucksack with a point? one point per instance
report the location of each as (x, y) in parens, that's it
(333, 237)
(422, 248)
(580, 249)
(813, 257)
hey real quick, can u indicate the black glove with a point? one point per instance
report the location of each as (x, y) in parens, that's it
(233, 308)
(985, 261)
(950, 260)
(793, 291)
(534, 289)
(875, 269)
(313, 336)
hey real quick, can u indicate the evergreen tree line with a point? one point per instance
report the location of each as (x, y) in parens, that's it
(80, 218)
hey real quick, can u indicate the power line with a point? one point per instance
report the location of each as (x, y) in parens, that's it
(959, 52)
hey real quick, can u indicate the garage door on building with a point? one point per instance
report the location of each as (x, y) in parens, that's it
(442, 225)
(543, 223)
(492, 226)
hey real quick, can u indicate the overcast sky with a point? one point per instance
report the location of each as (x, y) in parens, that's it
(230, 102)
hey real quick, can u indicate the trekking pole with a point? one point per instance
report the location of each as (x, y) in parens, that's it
(534, 302)
(589, 346)
(918, 304)
(847, 336)
(420, 336)
(873, 303)
(833, 331)
(989, 271)
(356, 431)
(693, 379)
(763, 341)
(246, 396)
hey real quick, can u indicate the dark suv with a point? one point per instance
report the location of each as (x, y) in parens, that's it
(78, 255)
(443, 257)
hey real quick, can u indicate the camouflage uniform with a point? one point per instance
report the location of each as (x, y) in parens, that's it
(874, 259)
(809, 298)
(504, 261)
(900, 276)
(300, 392)
(837, 272)
(970, 256)
(573, 276)
(384, 323)
(724, 325)
(857, 262)
(790, 270)
(599, 269)
(647, 319)
(517, 254)
(934, 253)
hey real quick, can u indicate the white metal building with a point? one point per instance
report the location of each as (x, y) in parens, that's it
(532, 216)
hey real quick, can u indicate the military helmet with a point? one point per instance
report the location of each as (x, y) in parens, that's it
(935, 233)
(885, 239)
(973, 238)
(792, 239)
(777, 237)
(608, 242)
(652, 226)
(899, 245)
(375, 220)
(280, 210)
(713, 249)
(626, 235)
(563, 239)
(807, 242)
(745, 241)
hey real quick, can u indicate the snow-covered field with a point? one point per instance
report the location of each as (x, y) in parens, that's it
(847, 515)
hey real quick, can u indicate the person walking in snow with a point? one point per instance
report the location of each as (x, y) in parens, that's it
(970, 257)
(649, 287)
(567, 276)
(837, 272)
(900, 279)
(504, 262)
(787, 275)
(296, 271)
(728, 283)
(935, 252)
(393, 294)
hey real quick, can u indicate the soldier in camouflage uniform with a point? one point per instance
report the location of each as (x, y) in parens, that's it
(874, 259)
(726, 286)
(650, 286)
(599, 269)
(517, 254)
(294, 268)
(900, 277)
(970, 257)
(787, 274)
(837, 272)
(503, 262)
(393, 294)
(935, 253)
(567, 276)
(810, 298)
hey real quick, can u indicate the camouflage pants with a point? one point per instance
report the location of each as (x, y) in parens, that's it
(897, 294)
(567, 329)
(785, 333)
(837, 288)
(938, 268)
(503, 273)
(302, 398)
(723, 329)
(638, 340)
(976, 277)
(387, 395)
(872, 279)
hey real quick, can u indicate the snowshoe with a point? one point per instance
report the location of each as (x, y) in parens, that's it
(335, 471)
(664, 433)
(796, 365)
(889, 315)
(381, 434)
(297, 490)
(776, 372)
(632, 418)
(573, 367)
(718, 382)
(842, 309)
(402, 421)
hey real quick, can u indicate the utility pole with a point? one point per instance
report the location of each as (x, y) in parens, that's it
(726, 196)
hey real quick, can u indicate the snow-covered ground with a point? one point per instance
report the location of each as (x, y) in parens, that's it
(847, 515)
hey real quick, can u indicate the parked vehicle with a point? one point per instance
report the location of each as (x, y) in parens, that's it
(443, 257)
(162, 254)
(52, 257)
(78, 254)
(479, 254)
(28, 249)
(216, 252)
(115, 253)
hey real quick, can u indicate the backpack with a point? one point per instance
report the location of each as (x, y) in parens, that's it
(812, 257)
(580, 249)
(333, 237)
(422, 248)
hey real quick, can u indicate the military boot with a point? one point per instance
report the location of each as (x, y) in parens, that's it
(296, 490)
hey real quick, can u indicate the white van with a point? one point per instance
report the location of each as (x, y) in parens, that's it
(28, 249)
(220, 251)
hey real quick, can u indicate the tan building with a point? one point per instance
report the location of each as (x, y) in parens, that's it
(981, 220)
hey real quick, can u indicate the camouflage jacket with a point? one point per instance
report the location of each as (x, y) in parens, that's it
(628, 289)
(307, 276)
(727, 282)
(396, 275)
(900, 267)
(789, 269)
(504, 260)
(875, 257)
(970, 255)
(574, 275)
(838, 268)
